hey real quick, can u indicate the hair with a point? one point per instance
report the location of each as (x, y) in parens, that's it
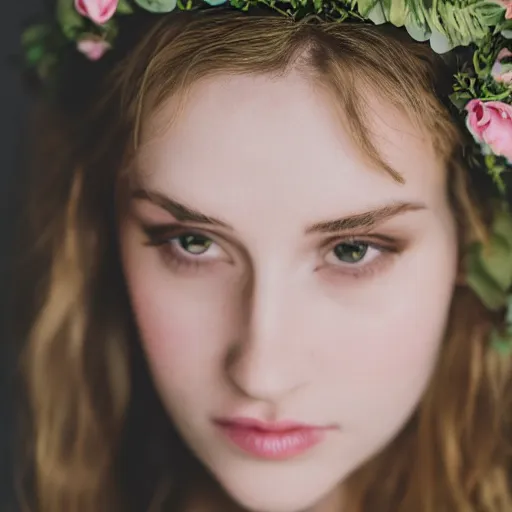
(85, 379)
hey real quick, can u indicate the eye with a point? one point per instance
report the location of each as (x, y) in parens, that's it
(180, 248)
(356, 253)
(192, 249)
(351, 252)
(360, 258)
(193, 244)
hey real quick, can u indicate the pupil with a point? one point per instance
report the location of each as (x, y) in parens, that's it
(351, 253)
(194, 244)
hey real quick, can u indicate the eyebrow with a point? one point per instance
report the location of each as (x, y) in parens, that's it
(368, 219)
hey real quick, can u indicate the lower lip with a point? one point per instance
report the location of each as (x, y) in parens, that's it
(273, 445)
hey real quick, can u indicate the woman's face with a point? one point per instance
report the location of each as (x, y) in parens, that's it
(277, 278)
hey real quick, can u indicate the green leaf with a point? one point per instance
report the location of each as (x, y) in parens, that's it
(490, 13)
(439, 42)
(496, 257)
(502, 343)
(124, 7)
(459, 99)
(318, 5)
(506, 25)
(46, 67)
(365, 6)
(70, 21)
(398, 12)
(377, 15)
(502, 226)
(490, 160)
(508, 318)
(157, 6)
(35, 34)
(110, 30)
(34, 55)
(481, 282)
(418, 29)
(463, 22)
(418, 14)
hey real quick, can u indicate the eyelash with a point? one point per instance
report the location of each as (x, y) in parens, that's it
(162, 236)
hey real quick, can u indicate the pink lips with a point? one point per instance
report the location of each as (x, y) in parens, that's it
(276, 441)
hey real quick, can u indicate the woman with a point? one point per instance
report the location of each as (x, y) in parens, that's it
(249, 244)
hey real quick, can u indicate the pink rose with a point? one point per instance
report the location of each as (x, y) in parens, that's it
(93, 47)
(490, 123)
(502, 72)
(507, 5)
(99, 11)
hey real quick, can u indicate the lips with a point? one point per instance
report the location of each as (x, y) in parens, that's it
(274, 441)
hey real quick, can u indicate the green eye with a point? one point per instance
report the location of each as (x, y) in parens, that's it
(351, 252)
(194, 244)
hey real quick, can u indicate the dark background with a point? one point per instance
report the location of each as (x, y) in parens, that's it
(15, 105)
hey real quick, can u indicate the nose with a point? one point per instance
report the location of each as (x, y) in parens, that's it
(268, 360)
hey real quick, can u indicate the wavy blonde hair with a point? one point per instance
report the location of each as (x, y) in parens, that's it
(82, 370)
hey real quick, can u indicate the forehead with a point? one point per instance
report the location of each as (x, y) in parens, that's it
(248, 140)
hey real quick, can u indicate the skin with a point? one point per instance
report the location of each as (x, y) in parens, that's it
(272, 324)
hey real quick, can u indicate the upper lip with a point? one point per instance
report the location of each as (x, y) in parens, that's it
(275, 426)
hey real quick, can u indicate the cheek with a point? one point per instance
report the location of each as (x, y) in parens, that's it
(182, 338)
(395, 344)
(182, 326)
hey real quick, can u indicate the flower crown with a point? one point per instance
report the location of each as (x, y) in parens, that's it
(482, 86)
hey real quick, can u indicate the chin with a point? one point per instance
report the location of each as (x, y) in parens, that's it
(273, 499)
(276, 489)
